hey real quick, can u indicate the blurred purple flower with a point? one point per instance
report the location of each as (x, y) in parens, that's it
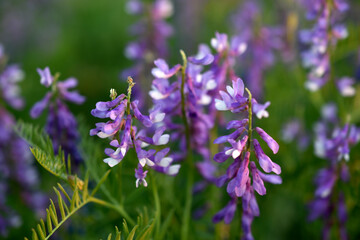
(294, 131)
(61, 124)
(325, 16)
(16, 164)
(261, 42)
(152, 33)
(345, 86)
(10, 76)
(333, 144)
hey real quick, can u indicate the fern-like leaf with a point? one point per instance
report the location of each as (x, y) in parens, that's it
(66, 205)
(141, 231)
(42, 149)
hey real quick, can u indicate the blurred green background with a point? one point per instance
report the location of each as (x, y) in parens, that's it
(86, 39)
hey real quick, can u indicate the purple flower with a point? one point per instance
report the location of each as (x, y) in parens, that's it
(10, 76)
(220, 42)
(204, 56)
(265, 162)
(261, 42)
(333, 144)
(345, 86)
(317, 58)
(121, 129)
(16, 166)
(227, 213)
(273, 145)
(237, 186)
(237, 147)
(16, 163)
(40, 106)
(140, 175)
(61, 124)
(243, 177)
(162, 69)
(151, 33)
(46, 77)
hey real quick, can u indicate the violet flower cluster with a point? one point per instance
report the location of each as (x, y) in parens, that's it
(324, 35)
(61, 124)
(333, 146)
(261, 41)
(16, 163)
(151, 32)
(121, 129)
(243, 177)
(202, 77)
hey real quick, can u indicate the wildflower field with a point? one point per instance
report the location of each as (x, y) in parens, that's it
(179, 119)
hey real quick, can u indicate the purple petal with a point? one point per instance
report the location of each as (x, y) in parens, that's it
(162, 65)
(221, 157)
(258, 183)
(46, 78)
(345, 86)
(238, 86)
(265, 162)
(145, 120)
(233, 135)
(220, 181)
(237, 123)
(74, 97)
(68, 83)
(273, 145)
(205, 60)
(271, 178)
(39, 107)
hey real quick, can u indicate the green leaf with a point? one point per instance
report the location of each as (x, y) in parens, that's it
(42, 149)
(53, 222)
(132, 233)
(166, 224)
(145, 234)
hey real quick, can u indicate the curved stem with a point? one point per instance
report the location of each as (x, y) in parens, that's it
(189, 157)
(119, 208)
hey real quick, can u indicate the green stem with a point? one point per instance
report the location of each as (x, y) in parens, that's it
(119, 208)
(250, 120)
(183, 99)
(189, 158)
(157, 205)
(115, 204)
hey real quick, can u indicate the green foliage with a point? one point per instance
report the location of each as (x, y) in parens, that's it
(141, 231)
(42, 149)
(66, 206)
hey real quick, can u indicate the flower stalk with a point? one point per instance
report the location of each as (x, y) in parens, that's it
(189, 157)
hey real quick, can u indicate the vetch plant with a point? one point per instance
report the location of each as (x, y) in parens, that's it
(190, 117)
(124, 135)
(239, 182)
